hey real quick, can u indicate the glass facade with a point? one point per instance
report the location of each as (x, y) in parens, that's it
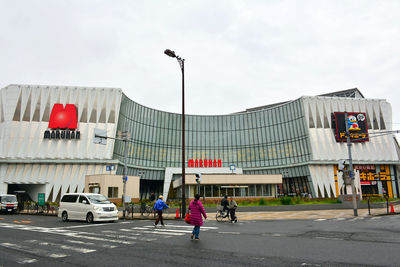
(262, 142)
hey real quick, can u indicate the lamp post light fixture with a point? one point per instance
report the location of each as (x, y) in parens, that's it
(181, 62)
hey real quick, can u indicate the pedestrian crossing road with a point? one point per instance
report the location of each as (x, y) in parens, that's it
(72, 241)
(46, 241)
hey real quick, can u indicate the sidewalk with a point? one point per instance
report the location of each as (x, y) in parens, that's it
(285, 215)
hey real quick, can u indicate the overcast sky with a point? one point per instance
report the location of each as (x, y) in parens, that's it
(239, 54)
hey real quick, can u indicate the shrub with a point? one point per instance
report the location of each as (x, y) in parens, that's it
(286, 200)
(261, 202)
(298, 200)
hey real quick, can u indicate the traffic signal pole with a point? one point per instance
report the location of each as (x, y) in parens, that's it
(100, 137)
(351, 172)
(125, 138)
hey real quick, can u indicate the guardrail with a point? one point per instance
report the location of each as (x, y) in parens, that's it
(34, 208)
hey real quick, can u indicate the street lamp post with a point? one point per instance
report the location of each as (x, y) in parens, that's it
(181, 62)
(351, 171)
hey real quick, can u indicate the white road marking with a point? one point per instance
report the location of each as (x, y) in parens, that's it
(43, 253)
(85, 236)
(149, 231)
(328, 238)
(90, 244)
(340, 219)
(375, 218)
(185, 226)
(82, 235)
(109, 232)
(76, 249)
(159, 229)
(11, 245)
(232, 233)
(81, 226)
(132, 232)
(319, 220)
(55, 255)
(26, 260)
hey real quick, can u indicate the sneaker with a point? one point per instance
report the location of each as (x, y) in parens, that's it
(197, 238)
(235, 220)
(192, 236)
(163, 225)
(155, 225)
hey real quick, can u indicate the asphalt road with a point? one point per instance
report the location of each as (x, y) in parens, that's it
(27, 240)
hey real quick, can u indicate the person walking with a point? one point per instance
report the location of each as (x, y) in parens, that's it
(232, 209)
(196, 211)
(158, 208)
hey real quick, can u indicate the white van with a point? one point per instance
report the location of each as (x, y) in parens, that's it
(87, 207)
(8, 203)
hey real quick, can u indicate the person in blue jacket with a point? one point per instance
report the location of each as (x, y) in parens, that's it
(158, 207)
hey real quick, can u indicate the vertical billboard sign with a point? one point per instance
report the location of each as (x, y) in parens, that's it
(357, 126)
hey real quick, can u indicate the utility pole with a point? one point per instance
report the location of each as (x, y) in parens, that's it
(125, 136)
(350, 171)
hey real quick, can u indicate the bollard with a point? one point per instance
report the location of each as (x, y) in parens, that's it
(369, 208)
(387, 205)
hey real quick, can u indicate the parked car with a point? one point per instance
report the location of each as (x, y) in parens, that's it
(8, 203)
(88, 207)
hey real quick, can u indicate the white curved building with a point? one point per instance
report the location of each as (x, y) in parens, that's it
(295, 139)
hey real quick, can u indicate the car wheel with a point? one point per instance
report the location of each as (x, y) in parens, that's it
(89, 217)
(64, 216)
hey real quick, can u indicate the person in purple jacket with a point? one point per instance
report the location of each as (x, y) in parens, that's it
(196, 210)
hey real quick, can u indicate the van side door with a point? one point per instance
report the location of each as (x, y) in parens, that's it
(83, 207)
(72, 207)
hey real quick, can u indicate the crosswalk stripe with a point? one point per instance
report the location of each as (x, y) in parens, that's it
(149, 231)
(66, 247)
(89, 244)
(162, 229)
(86, 236)
(26, 260)
(35, 251)
(75, 234)
(186, 226)
(81, 226)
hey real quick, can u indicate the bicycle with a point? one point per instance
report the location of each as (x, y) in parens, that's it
(221, 215)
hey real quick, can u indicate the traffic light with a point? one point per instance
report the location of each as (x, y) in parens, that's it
(100, 136)
(341, 164)
(198, 178)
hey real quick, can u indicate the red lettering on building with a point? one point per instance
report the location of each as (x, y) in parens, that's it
(204, 163)
(61, 118)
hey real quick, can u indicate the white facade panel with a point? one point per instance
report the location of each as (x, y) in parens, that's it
(27, 158)
(323, 143)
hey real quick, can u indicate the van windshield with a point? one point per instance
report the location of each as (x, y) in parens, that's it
(8, 199)
(98, 199)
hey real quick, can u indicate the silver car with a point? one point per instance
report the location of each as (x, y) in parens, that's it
(8, 203)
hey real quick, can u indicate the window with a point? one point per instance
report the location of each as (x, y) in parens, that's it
(69, 198)
(82, 198)
(113, 192)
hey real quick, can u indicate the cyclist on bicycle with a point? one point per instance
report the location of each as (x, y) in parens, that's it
(225, 204)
